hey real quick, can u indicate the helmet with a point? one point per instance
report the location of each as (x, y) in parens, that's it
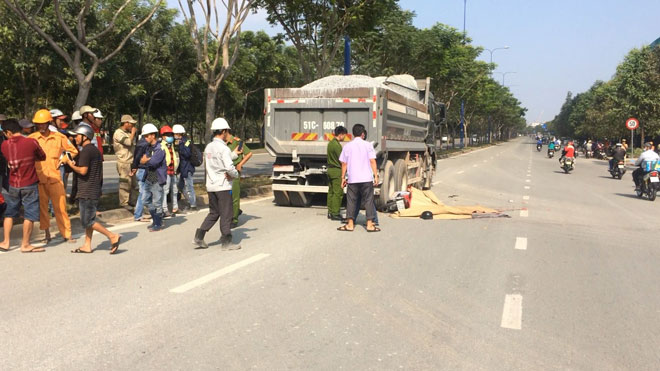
(179, 129)
(42, 117)
(427, 215)
(165, 129)
(619, 145)
(84, 130)
(57, 113)
(86, 109)
(76, 116)
(219, 124)
(98, 114)
(149, 129)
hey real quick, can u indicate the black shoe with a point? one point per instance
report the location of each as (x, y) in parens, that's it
(240, 212)
(199, 239)
(335, 217)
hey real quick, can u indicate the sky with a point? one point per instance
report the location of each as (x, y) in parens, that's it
(555, 46)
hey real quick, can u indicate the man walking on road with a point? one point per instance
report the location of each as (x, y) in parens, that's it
(236, 144)
(220, 172)
(172, 163)
(21, 154)
(186, 168)
(51, 188)
(358, 161)
(155, 176)
(335, 190)
(123, 143)
(89, 171)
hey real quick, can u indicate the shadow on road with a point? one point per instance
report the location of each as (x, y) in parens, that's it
(629, 195)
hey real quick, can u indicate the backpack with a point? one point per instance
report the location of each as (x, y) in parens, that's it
(195, 155)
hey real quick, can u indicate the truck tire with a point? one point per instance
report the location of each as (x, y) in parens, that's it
(281, 198)
(400, 175)
(300, 199)
(387, 187)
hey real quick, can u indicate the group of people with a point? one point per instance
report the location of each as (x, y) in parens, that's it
(38, 156)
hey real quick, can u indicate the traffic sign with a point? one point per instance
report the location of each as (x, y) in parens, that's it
(632, 123)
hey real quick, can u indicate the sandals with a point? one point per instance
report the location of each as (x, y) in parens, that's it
(34, 249)
(115, 246)
(376, 229)
(79, 251)
(343, 228)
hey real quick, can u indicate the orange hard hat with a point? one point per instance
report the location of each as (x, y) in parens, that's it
(166, 129)
(42, 116)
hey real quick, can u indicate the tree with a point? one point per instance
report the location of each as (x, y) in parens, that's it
(84, 44)
(212, 43)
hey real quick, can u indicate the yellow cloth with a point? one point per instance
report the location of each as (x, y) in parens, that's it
(53, 145)
(421, 201)
(55, 193)
(168, 157)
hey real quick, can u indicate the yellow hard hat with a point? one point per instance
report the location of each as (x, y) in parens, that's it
(42, 116)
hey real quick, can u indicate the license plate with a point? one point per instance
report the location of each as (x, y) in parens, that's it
(621, 166)
(655, 179)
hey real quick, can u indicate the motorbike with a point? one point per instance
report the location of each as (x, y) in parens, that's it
(589, 154)
(618, 170)
(538, 147)
(650, 185)
(567, 165)
(551, 153)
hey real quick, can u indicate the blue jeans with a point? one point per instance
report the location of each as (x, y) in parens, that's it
(188, 189)
(28, 197)
(139, 204)
(171, 183)
(153, 197)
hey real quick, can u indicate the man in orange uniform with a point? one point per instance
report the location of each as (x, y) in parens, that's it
(51, 187)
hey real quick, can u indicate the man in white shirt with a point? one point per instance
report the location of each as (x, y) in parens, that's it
(646, 162)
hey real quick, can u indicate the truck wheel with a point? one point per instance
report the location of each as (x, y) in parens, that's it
(400, 175)
(300, 199)
(387, 188)
(281, 198)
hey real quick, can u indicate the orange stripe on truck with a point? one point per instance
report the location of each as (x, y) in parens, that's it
(304, 136)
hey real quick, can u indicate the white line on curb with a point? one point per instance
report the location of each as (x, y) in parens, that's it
(521, 243)
(217, 274)
(512, 312)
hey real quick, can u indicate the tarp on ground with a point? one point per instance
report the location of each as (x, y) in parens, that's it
(421, 201)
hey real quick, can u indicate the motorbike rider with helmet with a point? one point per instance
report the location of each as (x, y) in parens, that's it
(645, 163)
(568, 152)
(618, 155)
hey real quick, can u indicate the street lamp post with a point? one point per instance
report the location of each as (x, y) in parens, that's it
(504, 74)
(491, 51)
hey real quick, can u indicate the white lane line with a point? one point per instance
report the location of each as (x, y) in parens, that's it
(217, 274)
(524, 213)
(460, 172)
(438, 182)
(521, 243)
(475, 165)
(525, 197)
(512, 312)
(527, 187)
(528, 181)
(529, 175)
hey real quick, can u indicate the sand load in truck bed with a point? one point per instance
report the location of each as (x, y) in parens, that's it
(404, 85)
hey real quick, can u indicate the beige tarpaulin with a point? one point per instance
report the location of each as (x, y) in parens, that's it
(421, 201)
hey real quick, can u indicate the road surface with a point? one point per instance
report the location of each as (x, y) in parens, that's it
(570, 281)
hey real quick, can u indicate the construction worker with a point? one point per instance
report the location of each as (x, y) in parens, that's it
(51, 187)
(155, 176)
(235, 143)
(123, 143)
(172, 163)
(59, 121)
(335, 191)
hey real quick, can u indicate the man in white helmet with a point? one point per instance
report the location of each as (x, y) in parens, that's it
(220, 172)
(155, 176)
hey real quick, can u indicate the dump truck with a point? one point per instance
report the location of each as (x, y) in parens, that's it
(402, 120)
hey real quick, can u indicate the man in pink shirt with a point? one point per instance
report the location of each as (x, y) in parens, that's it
(358, 161)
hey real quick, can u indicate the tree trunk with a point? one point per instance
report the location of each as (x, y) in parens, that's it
(211, 93)
(83, 94)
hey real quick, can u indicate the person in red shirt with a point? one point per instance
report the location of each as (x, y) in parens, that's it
(569, 151)
(21, 154)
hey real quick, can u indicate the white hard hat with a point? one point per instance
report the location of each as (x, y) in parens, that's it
(56, 113)
(76, 116)
(178, 129)
(149, 129)
(219, 124)
(98, 114)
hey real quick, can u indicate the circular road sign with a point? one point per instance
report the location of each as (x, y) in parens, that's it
(632, 123)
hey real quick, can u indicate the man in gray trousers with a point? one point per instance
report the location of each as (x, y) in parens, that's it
(220, 172)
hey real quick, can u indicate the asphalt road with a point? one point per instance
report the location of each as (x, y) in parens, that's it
(259, 164)
(568, 282)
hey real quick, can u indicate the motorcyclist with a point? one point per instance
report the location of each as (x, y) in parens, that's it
(539, 142)
(618, 155)
(568, 152)
(645, 162)
(589, 147)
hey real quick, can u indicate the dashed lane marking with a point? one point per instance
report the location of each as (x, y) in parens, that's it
(460, 172)
(217, 274)
(525, 197)
(521, 243)
(527, 187)
(512, 312)
(475, 165)
(528, 180)
(524, 213)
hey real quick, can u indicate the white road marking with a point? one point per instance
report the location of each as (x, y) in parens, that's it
(529, 175)
(521, 243)
(438, 182)
(475, 165)
(525, 197)
(524, 213)
(217, 274)
(460, 172)
(528, 180)
(512, 312)
(527, 187)
(485, 161)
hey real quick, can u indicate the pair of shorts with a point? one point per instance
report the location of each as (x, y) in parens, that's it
(87, 208)
(28, 197)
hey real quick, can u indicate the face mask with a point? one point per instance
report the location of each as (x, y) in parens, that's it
(169, 140)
